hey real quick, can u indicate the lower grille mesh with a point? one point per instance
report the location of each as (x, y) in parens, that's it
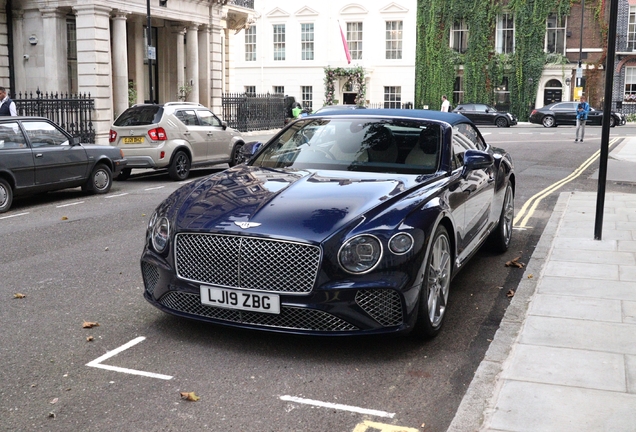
(289, 317)
(383, 305)
(150, 274)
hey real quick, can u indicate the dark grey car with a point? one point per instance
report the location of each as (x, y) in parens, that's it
(36, 155)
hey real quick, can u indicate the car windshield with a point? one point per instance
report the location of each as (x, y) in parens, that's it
(140, 115)
(356, 144)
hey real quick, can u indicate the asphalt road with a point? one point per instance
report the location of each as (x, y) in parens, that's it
(76, 260)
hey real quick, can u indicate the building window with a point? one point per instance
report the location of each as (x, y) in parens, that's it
(631, 29)
(555, 35)
(502, 95)
(250, 44)
(250, 90)
(630, 84)
(307, 41)
(394, 40)
(280, 90)
(279, 41)
(505, 43)
(393, 97)
(354, 40)
(458, 91)
(459, 36)
(71, 54)
(307, 93)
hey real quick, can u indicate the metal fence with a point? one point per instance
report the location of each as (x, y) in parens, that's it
(244, 3)
(247, 112)
(383, 105)
(73, 112)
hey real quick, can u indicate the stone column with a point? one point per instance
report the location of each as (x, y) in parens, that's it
(141, 71)
(192, 62)
(120, 63)
(18, 54)
(204, 66)
(179, 32)
(93, 64)
(54, 39)
(216, 46)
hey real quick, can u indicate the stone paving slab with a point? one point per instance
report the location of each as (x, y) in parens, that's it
(583, 308)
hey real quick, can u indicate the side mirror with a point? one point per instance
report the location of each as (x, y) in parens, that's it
(224, 125)
(76, 141)
(477, 159)
(250, 149)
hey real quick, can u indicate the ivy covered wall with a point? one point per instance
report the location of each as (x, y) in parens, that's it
(437, 64)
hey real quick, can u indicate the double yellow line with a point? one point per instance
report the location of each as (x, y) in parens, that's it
(528, 209)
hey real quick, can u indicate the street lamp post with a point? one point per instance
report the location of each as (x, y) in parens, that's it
(579, 69)
(148, 51)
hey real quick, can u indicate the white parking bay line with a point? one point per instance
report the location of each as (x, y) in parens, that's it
(71, 204)
(15, 215)
(97, 362)
(337, 406)
(154, 188)
(118, 195)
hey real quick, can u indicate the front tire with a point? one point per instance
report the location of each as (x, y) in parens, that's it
(6, 195)
(100, 180)
(548, 121)
(180, 167)
(501, 122)
(501, 236)
(237, 155)
(612, 121)
(436, 275)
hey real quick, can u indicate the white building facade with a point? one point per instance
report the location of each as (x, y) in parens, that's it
(100, 48)
(288, 47)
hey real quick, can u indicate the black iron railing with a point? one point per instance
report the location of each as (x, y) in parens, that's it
(72, 112)
(253, 112)
(243, 3)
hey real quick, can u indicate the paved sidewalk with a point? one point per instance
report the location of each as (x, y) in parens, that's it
(564, 357)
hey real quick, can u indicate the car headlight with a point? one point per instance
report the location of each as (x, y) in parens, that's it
(360, 254)
(401, 243)
(160, 234)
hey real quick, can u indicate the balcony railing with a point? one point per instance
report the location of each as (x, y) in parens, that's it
(249, 4)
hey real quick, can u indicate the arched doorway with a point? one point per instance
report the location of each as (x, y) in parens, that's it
(553, 92)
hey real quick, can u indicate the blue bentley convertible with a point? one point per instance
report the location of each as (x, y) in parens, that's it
(351, 222)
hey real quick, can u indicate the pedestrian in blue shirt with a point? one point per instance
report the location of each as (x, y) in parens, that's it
(581, 117)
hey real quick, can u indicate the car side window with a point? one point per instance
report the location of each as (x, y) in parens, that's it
(465, 137)
(187, 117)
(207, 118)
(44, 134)
(480, 108)
(11, 136)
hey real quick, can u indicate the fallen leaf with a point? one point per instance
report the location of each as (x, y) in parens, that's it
(90, 339)
(88, 324)
(515, 263)
(510, 293)
(64, 218)
(19, 295)
(143, 214)
(106, 248)
(530, 276)
(189, 396)
(51, 415)
(54, 401)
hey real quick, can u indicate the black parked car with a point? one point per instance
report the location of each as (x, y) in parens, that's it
(486, 115)
(564, 113)
(36, 155)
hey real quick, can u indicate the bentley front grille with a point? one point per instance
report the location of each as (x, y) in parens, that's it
(383, 305)
(289, 318)
(247, 262)
(150, 274)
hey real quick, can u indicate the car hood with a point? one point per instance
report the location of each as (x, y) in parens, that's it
(297, 204)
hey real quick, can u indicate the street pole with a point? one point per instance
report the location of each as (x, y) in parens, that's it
(607, 109)
(149, 40)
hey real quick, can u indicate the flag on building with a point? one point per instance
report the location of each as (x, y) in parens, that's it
(344, 44)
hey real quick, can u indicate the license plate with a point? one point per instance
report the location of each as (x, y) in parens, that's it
(133, 140)
(243, 300)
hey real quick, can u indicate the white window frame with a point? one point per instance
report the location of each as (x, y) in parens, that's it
(392, 97)
(250, 90)
(307, 41)
(459, 36)
(394, 31)
(631, 29)
(250, 43)
(278, 90)
(505, 36)
(630, 84)
(278, 32)
(555, 33)
(354, 39)
(307, 96)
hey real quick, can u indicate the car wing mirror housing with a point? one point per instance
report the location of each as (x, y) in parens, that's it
(76, 140)
(477, 159)
(224, 125)
(250, 149)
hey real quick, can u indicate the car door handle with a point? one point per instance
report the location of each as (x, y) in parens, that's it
(186, 133)
(38, 155)
(210, 134)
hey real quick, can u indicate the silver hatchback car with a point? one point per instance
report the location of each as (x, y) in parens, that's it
(176, 136)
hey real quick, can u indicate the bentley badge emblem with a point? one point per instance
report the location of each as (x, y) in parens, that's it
(246, 225)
